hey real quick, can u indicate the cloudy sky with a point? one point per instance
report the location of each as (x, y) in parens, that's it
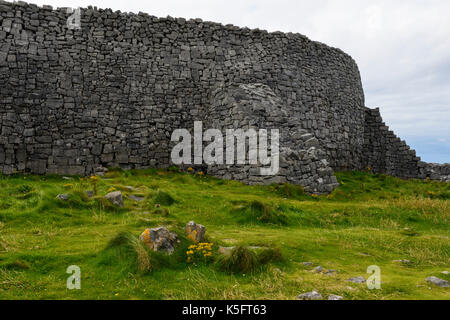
(402, 48)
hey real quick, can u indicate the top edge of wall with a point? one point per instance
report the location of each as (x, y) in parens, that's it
(229, 27)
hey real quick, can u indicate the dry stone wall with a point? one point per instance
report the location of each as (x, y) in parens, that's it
(112, 92)
(384, 152)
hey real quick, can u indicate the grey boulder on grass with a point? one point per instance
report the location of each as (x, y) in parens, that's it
(63, 197)
(313, 295)
(438, 282)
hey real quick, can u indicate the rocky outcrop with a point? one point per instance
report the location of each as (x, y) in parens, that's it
(160, 239)
(195, 232)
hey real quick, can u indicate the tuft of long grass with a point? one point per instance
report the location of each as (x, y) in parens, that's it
(163, 198)
(259, 212)
(239, 260)
(131, 248)
(269, 255)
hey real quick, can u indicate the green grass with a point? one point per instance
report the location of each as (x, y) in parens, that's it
(368, 220)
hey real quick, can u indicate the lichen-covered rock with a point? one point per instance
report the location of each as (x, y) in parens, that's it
(116, 198)
(160, 239)
(195, 232)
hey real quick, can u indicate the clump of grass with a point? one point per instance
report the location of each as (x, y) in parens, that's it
(17, 265)
(24, 192)
(24, 189)
(239, 260)
(409, 232)
(161, 211)
(104, 204)
(289, 191)
(259, 212)
(128, 250)
(269, 255)
(163, 198)
(442, 195)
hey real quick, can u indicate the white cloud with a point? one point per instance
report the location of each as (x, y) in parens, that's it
(402, 47)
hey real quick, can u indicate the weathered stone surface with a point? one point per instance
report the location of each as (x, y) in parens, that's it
(403, 261)
(331, 272)
(359, 280)
(318, 269)
(438, 282)
(335, 297)
(160, 239)
(136, 198)
(195, 232)
(116, 198)
(313, 295)
(63, 197)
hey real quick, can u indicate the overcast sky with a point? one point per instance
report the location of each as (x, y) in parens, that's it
(402, 48)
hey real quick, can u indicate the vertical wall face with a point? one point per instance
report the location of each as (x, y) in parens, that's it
(385, 152)
(112, 92)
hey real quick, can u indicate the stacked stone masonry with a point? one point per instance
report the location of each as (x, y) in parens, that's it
(112, 92)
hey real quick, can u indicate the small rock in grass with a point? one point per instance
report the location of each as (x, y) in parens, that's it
(195, 232)
(89, 193)
(357, 280)
(136, 198)
(445, 272)
(67, 178)
(438, 282)
(318, 269)
(331, 272)
(63, 197)
(313, 295)
(335, 297)
(160, 239)
(404, 261)
(308, 264)
(116, 198)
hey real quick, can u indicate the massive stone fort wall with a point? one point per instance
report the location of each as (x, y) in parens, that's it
(112, 92)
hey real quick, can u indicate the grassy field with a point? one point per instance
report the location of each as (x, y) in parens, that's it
(369, 220)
